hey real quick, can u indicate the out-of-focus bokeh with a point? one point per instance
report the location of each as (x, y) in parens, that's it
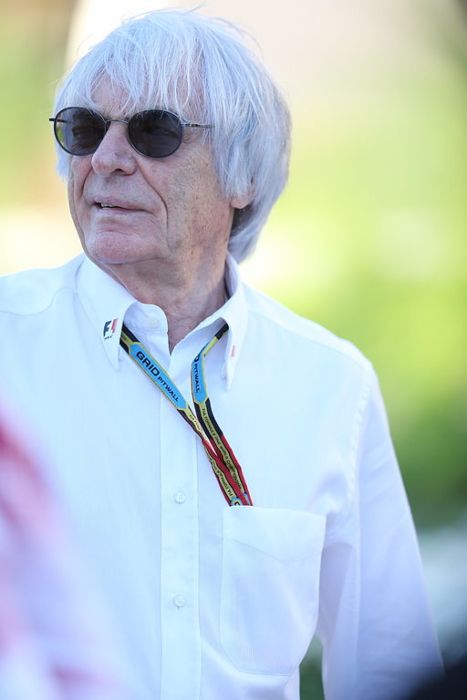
(369, 237)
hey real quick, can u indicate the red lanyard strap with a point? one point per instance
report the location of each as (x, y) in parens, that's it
(221, 456)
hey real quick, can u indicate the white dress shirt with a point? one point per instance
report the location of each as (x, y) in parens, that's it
(213, 601)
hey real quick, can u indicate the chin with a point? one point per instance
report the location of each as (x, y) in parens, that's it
(110, 248)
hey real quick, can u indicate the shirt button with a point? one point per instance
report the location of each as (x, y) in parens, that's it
(180, 497)
(154, 323)
(179, 601)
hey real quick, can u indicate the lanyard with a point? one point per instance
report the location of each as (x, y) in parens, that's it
(221, 456)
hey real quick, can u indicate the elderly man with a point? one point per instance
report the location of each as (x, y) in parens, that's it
(275, 510)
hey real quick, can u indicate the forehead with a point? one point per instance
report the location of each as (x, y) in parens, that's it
(113, 101)
(117, 100)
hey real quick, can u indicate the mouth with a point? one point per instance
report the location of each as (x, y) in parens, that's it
(114, 206)
(107, 206)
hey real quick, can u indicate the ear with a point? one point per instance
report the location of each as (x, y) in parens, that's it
(241, 201)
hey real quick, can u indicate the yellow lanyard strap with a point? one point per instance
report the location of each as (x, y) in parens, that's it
(221, 456)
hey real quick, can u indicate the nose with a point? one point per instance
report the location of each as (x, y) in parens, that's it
(114, 153)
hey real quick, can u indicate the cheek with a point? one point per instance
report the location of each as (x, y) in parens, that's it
(76, 176)
(75, 194)
(202, 191)
(71, 192)
(72, 203)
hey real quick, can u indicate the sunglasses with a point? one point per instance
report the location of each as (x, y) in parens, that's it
(155, 133)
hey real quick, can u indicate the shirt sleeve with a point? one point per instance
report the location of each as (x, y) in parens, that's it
(374, 623)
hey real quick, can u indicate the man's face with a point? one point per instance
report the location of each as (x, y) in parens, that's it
(163, 210)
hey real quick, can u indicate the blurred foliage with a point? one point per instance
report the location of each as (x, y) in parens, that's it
(376, 208)
(311, 687)
(26, 104)
(367, 240)
(31, 61)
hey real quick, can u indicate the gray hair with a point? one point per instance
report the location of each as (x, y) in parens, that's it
(201, 68)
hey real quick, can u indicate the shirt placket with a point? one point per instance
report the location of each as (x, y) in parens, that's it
(180, 637)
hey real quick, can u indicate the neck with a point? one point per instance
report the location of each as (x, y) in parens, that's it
(186, 307)
(186, 298)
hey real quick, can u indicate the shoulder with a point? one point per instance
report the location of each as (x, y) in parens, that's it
(32, 291)
(304, 334)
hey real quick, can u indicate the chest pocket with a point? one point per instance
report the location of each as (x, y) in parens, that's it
(270, 583)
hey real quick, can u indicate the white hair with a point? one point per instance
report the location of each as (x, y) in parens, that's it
(201, 68)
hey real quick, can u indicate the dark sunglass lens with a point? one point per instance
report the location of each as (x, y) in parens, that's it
(155, 133)
(79, 131)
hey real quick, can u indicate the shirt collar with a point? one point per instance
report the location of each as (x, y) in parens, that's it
(106, 302)
(234, 313)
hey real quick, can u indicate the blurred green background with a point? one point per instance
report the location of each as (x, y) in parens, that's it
(369, 237)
